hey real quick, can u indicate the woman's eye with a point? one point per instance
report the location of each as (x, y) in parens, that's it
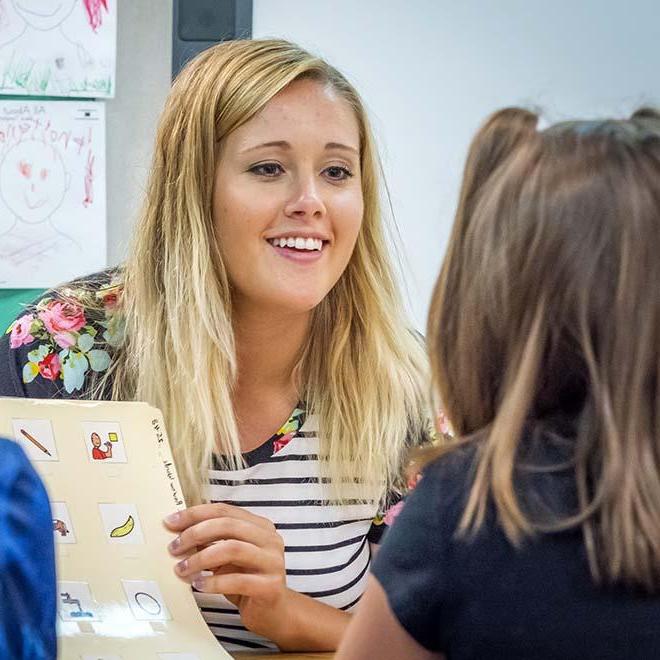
(337, 173)
(267, 169)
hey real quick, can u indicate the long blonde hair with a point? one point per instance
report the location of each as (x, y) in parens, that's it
(547, 305)
(361, 371)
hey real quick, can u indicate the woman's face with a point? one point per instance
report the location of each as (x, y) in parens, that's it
(287, 200)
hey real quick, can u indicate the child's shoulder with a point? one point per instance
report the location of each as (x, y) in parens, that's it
(67, 334)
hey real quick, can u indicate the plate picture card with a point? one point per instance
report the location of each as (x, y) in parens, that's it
(37, 439)
(145, 600)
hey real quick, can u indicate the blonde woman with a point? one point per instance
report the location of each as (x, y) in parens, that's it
(259, 311)
(538, 534)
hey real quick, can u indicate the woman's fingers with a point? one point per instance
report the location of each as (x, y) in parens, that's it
(240, 584)
(219, 529)
(193, 515)
(240, 554)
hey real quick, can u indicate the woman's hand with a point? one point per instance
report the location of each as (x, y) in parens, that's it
(245, 554)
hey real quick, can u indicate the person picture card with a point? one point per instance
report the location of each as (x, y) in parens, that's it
(52, 191)
(111, 479)
(58, 47)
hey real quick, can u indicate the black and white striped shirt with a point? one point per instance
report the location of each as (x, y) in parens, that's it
(327, 552)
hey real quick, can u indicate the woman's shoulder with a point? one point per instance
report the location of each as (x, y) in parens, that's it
(58, 341)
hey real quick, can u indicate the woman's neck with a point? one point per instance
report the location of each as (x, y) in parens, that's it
(268, 347)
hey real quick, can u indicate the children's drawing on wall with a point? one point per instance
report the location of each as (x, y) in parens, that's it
(52, 189)
(58, 47)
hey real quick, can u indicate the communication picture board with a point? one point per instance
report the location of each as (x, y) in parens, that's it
(111, 479)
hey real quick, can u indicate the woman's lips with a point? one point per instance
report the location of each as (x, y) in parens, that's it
(299, 256)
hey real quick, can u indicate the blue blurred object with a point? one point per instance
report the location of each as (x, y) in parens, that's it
(27, 561)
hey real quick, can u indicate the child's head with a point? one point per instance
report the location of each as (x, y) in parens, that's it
(548, 303)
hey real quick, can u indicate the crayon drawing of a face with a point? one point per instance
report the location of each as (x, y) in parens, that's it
(44, 14)
(33, 180)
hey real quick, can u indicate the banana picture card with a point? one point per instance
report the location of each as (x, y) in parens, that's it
(111, 480)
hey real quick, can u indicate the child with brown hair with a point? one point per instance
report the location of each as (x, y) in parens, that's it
(537, 534)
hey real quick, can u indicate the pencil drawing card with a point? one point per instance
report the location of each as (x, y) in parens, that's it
(37, 439)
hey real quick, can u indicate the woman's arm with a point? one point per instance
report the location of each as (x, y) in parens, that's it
(375, 632)
(310, 625)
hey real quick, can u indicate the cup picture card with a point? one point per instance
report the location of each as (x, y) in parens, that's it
(62, 524)
(36, 438)
(75, 602)
(145, 600)
(121, 523)
(104, 442)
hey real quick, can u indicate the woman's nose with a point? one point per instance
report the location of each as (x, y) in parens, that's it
(306, 202)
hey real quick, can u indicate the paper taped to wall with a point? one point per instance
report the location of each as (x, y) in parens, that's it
(52, 191)
(58, 47)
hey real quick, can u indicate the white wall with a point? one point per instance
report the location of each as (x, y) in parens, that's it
(144, 57)
(431, 70)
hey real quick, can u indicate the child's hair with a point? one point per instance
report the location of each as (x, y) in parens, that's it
(548, 303)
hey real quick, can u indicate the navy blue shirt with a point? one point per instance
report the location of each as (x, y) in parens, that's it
(27, 561)
(483, 598)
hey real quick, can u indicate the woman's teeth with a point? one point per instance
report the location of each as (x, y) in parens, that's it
(298, 243)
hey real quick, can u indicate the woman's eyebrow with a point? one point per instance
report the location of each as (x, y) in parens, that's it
(283, 144)
(344, 147)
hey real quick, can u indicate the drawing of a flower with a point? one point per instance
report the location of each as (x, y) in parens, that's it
(20, 331)
(50, 366)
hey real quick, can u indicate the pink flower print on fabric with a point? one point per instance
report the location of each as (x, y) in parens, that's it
(20, 331)
(282, 442)
(62, 319)
(392, 513)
